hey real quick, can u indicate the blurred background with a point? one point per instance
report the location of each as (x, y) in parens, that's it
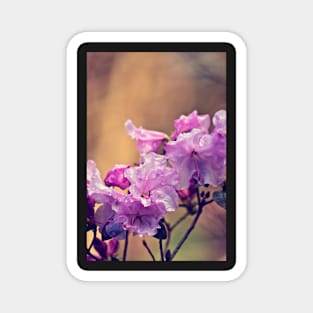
(152, 89)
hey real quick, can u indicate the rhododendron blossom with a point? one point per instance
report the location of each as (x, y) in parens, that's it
(142, 220)
(193, 154)
(154, 181)
(136, 199)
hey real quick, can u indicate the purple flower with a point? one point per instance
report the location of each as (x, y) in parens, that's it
(154, 181)
(142, 220)
(187, 123)
(147, 140)
(198, 155)
(95, 185)
(115, 177)
(105, 219)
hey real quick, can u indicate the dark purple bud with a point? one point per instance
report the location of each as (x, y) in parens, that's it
(104, 235)
(113, 229)
(113, 246)
(101, 247)
(220, 198)
(161, 234)
(90, 258)
(168, 255)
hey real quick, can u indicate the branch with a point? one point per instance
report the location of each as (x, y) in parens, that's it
(148, 249)
(161, 250)
(192, 226)
(125, 246)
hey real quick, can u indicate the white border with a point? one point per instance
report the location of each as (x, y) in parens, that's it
(241, 162)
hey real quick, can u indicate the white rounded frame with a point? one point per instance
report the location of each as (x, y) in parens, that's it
(241, 158)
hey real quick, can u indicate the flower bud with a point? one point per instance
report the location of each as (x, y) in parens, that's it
(101, 247)
(115, 177)
(113, 246)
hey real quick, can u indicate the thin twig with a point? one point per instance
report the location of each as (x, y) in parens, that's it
(192, 226)
(125, 246)
(207, 202)
(148, 249)
(182, 205)
(161, 250)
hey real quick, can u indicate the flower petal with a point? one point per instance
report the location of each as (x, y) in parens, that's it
(147, 140)
(187, 123)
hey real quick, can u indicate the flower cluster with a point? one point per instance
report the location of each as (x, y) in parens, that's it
(136, 198)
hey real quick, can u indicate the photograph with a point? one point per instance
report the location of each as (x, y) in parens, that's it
(156, 156)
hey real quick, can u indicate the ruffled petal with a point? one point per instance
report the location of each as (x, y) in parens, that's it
(147, 140)
(187, 123)
(103, 214)
(115, 177)
(167, 196)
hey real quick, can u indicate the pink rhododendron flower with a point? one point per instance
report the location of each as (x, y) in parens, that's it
(194, 156)
(154, 181)
(104, 217)
(187, 123)
(147, 140)
(198, 155)
(142, 220)
(115, 177)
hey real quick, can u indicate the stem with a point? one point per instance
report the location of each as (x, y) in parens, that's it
(125, 246)
(192, 226)
(161, 250)
(182, 205)
(207, 202)
(180, 220)
(148, 249)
